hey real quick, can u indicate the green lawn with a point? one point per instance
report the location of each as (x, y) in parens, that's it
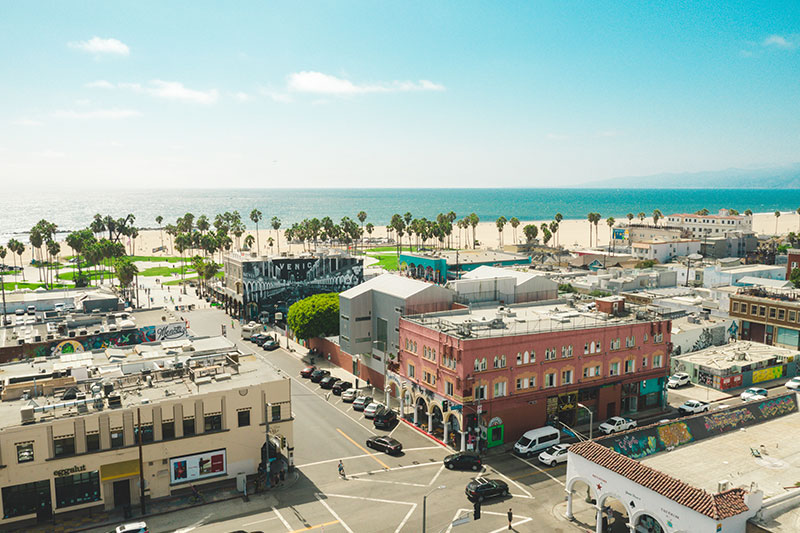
(389, 262)
(194, 278)
(91, 274)
(154, 258)
(165, 271)
(12, 286)
(389, 249)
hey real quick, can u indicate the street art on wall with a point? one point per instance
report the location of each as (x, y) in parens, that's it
(66, 347)
(726, 420)
(777, 406)
(767, 374)
(674, 434)
(636, 446)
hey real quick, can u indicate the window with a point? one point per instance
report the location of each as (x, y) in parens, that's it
(480, 392)
(167, 429)
(499, 389)
(630, 366)
(522, 383)
(276, 413)
(92, 442)
(188, 427)
(550, 380)
(772, 312)
(645, 337)
(753, 309)
(25, 452)
(613, 369)
(499, 361)
(448, 388)
(591, 371)
(657, 361)
(586, 348)
(566, 351)
(549, 354)
(735, 307)
(212, 422)
(781, 314)
(762, 310)
(428, 378)
(566, 377)
(598, 346)
(63, 446)
(791, 316)
(147, 433)
(630, 342)
(658, 337)
(644, 362)
(615, 344)
(244, 417)
(117, 440)
(411, 370)
(77, 489)
(19, 500)
(533, 356)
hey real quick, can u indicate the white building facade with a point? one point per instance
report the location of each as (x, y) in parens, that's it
(700, 226)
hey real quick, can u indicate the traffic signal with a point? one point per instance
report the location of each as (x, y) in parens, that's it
(283, 442)
(476, 513)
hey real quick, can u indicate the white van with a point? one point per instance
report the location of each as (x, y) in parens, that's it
(537, 439)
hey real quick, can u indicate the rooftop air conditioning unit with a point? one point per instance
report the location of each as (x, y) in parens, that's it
(723, 485)
(26, 413)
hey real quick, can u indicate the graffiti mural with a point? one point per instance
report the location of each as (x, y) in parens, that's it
(777, 407)
(727, 420)
(172, 331)
(636, 446)
(674, 434)
(767, 374)
(66, 347)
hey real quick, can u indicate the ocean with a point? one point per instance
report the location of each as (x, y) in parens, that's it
(74, 209)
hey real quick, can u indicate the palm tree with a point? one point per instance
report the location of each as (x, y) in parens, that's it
(248, 241)
(702, 212)
(256, 216)
(514, 225)
(641, 216)
(610, 221)
(159, 220)
(749, 212)
(276, 225)
(13, 246)
(629, 216)
(3, 253)
(558, 218)
(126, 272)
(554, 231)
(656, 216)
(500, 223)
(590, 218)
(53, 249)
(473, 221)
(798, 218)
(530, 232)
(270, 243)
(362, 216)
(777, 216)
(398, 225)
(370, 227)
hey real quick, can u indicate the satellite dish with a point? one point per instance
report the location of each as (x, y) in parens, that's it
(695, 257)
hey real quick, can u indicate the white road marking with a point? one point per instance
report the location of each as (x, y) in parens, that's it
(540, 470)
(436, 476)
(520, 487)
(260, 521)
(513, 524)
(333, 513)
(525, 519)
(405, 519)
(393, 469)
(332, 406)
(362, 456)
(353, 478)
(364, 498)
(282, 519)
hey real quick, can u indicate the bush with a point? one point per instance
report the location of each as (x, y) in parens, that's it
(599, 294)
(315, 316)
(647, 263)
(566, 287)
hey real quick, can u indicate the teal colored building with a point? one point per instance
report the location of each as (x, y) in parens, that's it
(444, 266)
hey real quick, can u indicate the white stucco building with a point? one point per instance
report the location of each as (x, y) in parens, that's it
(664, 251)
(721, 224)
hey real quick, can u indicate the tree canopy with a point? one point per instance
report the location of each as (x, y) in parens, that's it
(315, 316)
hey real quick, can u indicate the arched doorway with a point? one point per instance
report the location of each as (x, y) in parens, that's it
(452, 431)
(649, 523)
(437, 422)
(615, 514)
(582, 503)
(421, 412)
(407, 403)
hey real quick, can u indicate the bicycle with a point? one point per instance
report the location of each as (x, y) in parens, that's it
(196, 496)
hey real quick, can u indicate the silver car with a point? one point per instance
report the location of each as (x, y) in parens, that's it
(349, 395)
(371, 409)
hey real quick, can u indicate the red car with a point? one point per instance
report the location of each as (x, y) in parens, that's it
(306, 372)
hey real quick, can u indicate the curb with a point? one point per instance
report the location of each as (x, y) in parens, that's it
(409, 424)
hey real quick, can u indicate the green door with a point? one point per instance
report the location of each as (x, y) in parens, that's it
(494, 436)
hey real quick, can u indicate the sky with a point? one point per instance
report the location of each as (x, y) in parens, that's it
(392, 94)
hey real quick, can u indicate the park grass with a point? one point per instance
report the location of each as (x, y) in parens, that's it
(388, 262)
(155, 259)
(90, 274)
(194, 278)
(165, 271)
(12, 286)
(389, 249)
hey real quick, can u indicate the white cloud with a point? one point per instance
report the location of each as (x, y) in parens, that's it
(50, 154)
(109, 114)
(99, 84)
(26, 122)
(779, 42)
(556, 136)
(98, 46)
(241, 96)
(275, 96)
(319, 83)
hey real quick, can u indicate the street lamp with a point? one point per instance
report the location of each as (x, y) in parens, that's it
(424, 500)
(591, 416)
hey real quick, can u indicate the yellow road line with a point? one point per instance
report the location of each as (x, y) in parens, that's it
(384, 465)
(540, 471)
(309, 528)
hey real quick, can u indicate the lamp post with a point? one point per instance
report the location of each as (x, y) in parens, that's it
(267, 414)
(424, 501)
(591, 417)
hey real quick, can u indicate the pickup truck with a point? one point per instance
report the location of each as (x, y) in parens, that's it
(691, 407)
(617, 423)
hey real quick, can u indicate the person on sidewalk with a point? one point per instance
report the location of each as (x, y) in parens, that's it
(510, 517)
(341, 470)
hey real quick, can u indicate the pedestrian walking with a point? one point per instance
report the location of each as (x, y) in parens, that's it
(510, 517)
(341, 470)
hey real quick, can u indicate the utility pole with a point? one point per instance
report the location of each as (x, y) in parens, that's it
(266, 444)
(141, 463)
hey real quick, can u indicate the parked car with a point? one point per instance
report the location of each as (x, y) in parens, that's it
(535, 440)
(463, 461)
(270, 344)
(133, 527)
(318, 374)
(372, 408)
(328, 382)
(350, 395)
(340, 386)
(754, 393)
(258, 338)
(385, 418)
(361, 403)
(617, 423)
(385, 444)
(793, 384)
(307, 371)
(554, 455)
(691, 407)
(481, 488)
(678, 379)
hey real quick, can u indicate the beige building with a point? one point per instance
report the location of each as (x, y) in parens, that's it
(72, 428)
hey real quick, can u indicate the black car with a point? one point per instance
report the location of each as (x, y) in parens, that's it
(481, 488)
(270, 344)
(340, 386)
(385, 444)
(463, 461)
(328, 382)
(318, 374)
(259, 338)
(384, 419)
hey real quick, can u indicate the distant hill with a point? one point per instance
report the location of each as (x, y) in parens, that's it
(786, 177)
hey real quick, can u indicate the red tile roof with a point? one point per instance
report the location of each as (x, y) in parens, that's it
(717, 506)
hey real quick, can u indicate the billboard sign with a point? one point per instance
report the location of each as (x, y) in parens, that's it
(198, 466)
(620, 234)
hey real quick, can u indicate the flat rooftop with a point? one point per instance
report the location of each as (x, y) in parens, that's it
(466, 257)
(734, 356)
(526, 319)
(744, 269)
(176, 369)
(728, 457)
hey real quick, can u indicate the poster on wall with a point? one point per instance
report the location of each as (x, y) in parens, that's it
(198, 466)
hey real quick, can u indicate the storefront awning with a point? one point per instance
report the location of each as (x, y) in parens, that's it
(119, 470)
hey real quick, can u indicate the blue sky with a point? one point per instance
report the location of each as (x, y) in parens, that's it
(359, 94)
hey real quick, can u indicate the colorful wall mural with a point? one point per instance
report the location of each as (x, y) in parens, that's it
(766, 374)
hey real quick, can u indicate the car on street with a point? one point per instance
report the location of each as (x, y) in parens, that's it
(793, 384)
(617, 423)
(258, 338)
(361, 403)
(350, 395)
(306, 372)
(372, 408)
(270, 344)
(690, 407)
(318, 374)
(385, 444)
(133, 527)
(463, 461)
(340, 386)
(678, 379)
(385, 418)
(481, 488)
(328, 382)
(754, 393)
(554, 455)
